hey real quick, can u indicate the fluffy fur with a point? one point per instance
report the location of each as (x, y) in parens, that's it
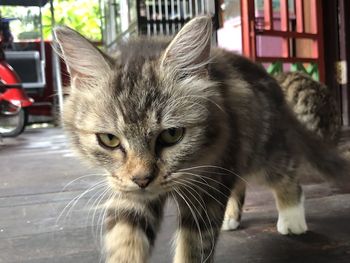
(236, 123)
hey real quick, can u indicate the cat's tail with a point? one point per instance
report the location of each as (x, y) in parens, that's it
(332, 164)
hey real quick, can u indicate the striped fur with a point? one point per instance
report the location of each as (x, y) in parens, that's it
(131, 225)
(235, 123)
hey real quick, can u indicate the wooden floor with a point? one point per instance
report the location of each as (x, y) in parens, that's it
(37, 166)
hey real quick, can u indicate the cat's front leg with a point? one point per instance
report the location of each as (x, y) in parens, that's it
(131, 228)
(234, 207)
(201, 217)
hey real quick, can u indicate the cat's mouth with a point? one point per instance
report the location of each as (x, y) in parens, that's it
(141, 194)
(130, 188)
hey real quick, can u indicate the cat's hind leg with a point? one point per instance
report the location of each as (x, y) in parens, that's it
(233, 213)
(290, 204)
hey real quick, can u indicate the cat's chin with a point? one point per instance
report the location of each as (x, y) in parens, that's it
(140, 194)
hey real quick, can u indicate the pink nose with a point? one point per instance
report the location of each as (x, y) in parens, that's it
(142, 181)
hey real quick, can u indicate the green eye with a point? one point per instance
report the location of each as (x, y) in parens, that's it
(108, 140)
(171, 136)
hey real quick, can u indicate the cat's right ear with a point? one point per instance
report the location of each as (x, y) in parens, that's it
(84, 61)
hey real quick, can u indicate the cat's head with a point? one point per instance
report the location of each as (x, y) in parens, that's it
(149, 112)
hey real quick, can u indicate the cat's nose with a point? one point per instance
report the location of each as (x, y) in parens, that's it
(142, 181)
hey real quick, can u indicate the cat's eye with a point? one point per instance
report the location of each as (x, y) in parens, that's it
(171, 136)
(108, 140)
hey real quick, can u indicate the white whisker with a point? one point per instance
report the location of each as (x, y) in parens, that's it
(216, 167)
(206, 192)
(74, 201)
(79, 178)
(177, 190)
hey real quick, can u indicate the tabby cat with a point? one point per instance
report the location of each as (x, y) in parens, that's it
(186, 121)
(313, 103)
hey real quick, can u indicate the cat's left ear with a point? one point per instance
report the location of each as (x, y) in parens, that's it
(84, 61)
(189, 52)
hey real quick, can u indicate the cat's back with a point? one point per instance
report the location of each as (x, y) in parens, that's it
(228, 63)
(243, 77)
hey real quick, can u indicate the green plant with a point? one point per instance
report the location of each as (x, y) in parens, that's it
(81, 15)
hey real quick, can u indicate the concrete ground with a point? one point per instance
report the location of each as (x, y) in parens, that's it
(36, 167)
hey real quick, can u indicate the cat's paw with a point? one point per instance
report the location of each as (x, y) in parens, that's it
(292, 221)
(230, 224)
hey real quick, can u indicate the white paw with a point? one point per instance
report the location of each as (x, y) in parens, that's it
(230, 224)
(292, 220)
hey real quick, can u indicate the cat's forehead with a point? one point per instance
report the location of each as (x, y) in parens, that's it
(121, 117)
(139, 100)
(131, 103)
(137, 92)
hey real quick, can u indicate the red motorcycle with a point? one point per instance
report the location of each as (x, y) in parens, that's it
(13, 99)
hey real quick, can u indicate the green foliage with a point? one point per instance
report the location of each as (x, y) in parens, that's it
(82, 15)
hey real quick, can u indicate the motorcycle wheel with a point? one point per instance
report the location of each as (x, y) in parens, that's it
(13, 125)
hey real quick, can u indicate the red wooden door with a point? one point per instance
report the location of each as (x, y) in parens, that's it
(287, 32)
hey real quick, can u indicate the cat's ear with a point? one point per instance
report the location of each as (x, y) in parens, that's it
(189, 51)
(84, 61)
